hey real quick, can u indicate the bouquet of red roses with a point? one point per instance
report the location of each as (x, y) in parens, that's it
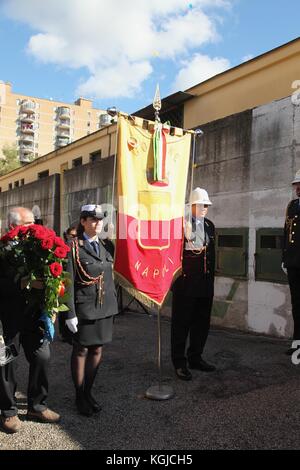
(39, 258)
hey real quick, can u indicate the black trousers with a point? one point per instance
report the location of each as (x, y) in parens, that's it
(190, 316)
(37, 354)
(294, 282)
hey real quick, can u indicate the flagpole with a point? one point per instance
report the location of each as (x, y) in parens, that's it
(160, 391)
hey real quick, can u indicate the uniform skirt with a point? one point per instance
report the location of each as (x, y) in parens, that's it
(94, 332)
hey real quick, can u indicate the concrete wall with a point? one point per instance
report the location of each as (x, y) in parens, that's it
(41, 195)
(247, 162)
(91, 183)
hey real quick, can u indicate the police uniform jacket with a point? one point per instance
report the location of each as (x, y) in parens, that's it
(291, 241)
(84, 299)
(197, 278)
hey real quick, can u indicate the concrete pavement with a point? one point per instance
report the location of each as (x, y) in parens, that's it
(252, 401)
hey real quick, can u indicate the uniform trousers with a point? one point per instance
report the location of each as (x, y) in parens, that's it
(294, 282)
(37, 354)
(190, 316)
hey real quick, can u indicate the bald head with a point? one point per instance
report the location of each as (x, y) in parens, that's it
(20, 216)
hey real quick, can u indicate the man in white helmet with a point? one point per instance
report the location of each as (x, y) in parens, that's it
(193, 291)
(291, 257)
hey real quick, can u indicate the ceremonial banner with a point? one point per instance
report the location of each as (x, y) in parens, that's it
(152, 168)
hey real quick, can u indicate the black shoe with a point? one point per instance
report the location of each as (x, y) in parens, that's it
(94, 404)
(200, 364)
(83, 406)
(183, 373)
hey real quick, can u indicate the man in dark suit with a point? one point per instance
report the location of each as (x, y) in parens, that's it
(291, 257)
(193, 291)
(21, 325)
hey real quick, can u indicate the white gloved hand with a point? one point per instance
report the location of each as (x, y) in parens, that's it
(284, 269)
(72, 324)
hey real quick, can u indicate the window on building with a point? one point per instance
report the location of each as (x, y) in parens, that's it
(89, 124)
(95, 156)
(76, 162)
(232, 252)
(0, 190)
(10, 186)
(269, 243)
(22, 182)
(43, 174)
(17, 184)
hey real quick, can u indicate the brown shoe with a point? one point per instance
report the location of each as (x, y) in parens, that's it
(11, 424)
(45, 416)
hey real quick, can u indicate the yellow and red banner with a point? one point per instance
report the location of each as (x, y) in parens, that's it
(152, 168)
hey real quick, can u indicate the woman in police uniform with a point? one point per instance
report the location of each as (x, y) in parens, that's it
(92, 303)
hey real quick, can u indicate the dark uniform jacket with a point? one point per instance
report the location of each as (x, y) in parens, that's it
(291, 241)
(197, 279)
(84, 300)
(18, 312)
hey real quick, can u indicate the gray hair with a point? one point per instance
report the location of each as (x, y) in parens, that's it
(13, 218)
(17, 216)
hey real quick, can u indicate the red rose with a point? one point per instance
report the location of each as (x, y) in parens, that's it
(47, 243)
(50, 232)
(55, 269)
(23, 230)
(60, 252)
(59, 242)
(38, 231)
(14, 232)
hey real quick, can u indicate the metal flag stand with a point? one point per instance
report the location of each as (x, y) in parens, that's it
(160, 391)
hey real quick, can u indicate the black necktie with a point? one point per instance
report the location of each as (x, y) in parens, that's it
(95, 246)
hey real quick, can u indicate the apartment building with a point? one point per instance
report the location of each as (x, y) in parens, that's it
(37, 126)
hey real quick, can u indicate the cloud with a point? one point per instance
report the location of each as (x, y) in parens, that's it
(198, 69)
(110, 81)
(247, 57)
(115, 40)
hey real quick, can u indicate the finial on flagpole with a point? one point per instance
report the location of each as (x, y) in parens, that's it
(157, 103)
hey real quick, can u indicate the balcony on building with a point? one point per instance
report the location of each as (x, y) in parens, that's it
(104, 120)
(63, 112)
(27, 147)
(27, 128)
(64, 124)
(27, 138)
(25, 157)
(62, 141)
(28, 118)
(28, 107)
(65, 133)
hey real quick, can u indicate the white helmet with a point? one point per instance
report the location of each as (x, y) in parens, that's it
(297, 177)
(200, 196)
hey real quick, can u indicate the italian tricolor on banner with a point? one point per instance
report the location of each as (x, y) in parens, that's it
(152, 168)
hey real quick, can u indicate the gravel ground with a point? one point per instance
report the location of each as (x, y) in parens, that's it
(252, 401)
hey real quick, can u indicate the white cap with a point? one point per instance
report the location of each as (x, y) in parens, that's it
(297, 177)
(93, 210)
(200, 196)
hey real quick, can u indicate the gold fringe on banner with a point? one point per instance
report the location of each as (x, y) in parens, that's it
(140, 296)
